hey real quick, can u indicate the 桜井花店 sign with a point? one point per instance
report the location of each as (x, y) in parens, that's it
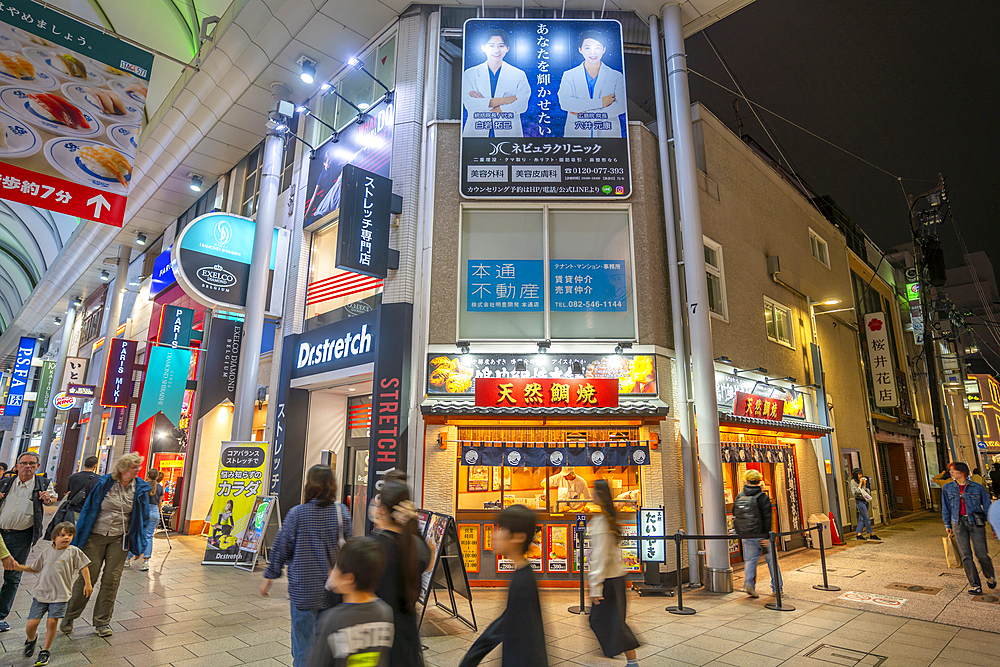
(117, 390)
(363, 225)
(547, 392)
(72, 107)
(544, 109)
(880, 360)
(759, 407)
(19, 377)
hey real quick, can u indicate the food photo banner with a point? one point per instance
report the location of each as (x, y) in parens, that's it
(544, 109)
(71, 109)
(450, 374)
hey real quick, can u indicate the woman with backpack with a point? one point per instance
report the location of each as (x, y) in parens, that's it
(861, 489)
(752, 518)
(607, 579)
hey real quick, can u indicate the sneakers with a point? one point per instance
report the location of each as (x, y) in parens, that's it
(992, 583)
(145, 566)
(43, 658)
(66, 626)
(976, 590)
(874, 538)
(862, 537)
(751, 591)
(103, 631)
(4, 626)
(29, 647)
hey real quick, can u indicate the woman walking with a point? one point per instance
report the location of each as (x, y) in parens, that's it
(407, 556)
(861, 489)
(155, 498)
(308, 542)
(964, 507)
(607, 579)
(112, 524)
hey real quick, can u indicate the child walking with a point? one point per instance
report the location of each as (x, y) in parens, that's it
(56, 566)
(519, 628)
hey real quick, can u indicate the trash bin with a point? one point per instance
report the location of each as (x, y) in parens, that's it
(823, 520)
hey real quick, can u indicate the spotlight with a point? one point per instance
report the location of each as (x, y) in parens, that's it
(463, 346)
(363, 105)
(724, 360)
(543, 346)
(829, 302)
(58, 320)
(353, 62)
(618, 350)
(761, 370)
(621, 347)
(577, 369)
(140, 238)
(280, 127)
(302, 109)
(789, 378)
(325, 87)
(77, 300)
(105, 276)
(520, 366)
(308, 73)
(195, 182)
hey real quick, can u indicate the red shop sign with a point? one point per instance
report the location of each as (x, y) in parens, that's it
(547, 392)
(751, 405)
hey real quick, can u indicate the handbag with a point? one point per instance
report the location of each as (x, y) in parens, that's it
(951, 556)
(867, 497)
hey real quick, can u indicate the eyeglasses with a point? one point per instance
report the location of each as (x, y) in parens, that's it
(28, 463)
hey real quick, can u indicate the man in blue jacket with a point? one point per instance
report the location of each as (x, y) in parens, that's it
(964, 506)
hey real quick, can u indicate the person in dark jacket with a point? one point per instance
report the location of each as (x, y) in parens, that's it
(964, 507)
(21, 512)
(760, 506)
(112, 524)
(82, 481)
(995, 479)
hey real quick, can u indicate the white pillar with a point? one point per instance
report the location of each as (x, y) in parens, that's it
(50, 411)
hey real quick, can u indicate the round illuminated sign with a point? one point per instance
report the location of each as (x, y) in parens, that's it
(63, 402)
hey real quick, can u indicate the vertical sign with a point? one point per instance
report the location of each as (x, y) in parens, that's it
(119, 421)
(652, 531)
(468, 538)
(222, 362)
(19, 377)
(76, 370)
(175, 326)
(363, 232)
(242, 466)
(880, 360)
(166, 380)
(44, 389)
(117, 388)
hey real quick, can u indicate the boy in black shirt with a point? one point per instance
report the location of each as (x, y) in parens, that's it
(520, 628)
(358, 631)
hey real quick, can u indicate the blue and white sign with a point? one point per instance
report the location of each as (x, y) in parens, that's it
(163, 273)
(588, 285)
(511, 285)
(19, 377)
(652, 534)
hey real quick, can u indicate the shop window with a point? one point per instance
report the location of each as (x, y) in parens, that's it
(716, 279)
(778, 320)
(331, 288)
(358, 88)
(253, 164)
(546, 273)
(819, 248)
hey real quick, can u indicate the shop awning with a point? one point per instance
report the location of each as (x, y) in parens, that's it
(785, 428)
(626, 408)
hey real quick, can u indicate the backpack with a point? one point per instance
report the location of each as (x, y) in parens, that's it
(747, 518)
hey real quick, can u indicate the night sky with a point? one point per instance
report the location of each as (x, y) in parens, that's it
(910, 85)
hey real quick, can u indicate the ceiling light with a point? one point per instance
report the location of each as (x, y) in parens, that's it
(353, 62)
(350, 389)
(195, 183)
(105, 276)
(363, 105)
(140, 238)
(308, 73)
(325, 86)
(829, 302)
(58, 319)
(302, 108)
(77, 300)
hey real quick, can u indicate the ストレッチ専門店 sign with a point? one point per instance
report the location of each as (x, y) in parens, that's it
(71, 106)
(363, 231)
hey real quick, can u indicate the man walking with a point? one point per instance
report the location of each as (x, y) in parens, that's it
(752, 516)
(82, 481)
(964, 506)
(21, 513)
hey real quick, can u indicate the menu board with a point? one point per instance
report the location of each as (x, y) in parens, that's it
(734, 544)
(422, 517)
(468, 538)
(534, 554)
(558, 547)
(433, 534)
(630, 548)
(504, 564)
(479, 478)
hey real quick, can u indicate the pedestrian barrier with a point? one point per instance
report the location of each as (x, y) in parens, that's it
(772, 538)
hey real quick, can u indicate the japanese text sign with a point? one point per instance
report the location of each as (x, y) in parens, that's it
(363, 231)
(19, 377)
(588, 285)
(880, 360)
(117, 390)
(759, 407)
(652, 531)
(176, 324)
(510, 285)
(76, 369)
(544, 109)
(547, 393)
(72, 109)
(240, 480)
(81, 390)
(44, 389)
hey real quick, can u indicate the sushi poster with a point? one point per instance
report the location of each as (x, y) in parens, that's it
(71, 109)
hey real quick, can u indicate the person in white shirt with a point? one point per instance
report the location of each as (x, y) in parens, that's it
(21, 513)
(592, 94)
(494, 93)
(571, 487)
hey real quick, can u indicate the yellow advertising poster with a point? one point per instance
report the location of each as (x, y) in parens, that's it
(488, 537)
(558, 545)
(468, 537)
(242, 466)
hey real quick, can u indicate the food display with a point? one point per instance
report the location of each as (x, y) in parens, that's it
(450, 375)
(17, 66)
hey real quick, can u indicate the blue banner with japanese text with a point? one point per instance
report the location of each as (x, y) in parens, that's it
(588, 285)
(19, 377)
(512, 285)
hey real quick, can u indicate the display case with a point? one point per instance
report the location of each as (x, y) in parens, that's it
(485, 488)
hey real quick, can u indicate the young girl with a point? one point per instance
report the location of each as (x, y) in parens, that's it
(407, 556)
(607, 579)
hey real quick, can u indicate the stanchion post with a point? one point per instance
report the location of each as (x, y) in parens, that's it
(776, 582)
(582, 609)
(822, 559)
(679, 608)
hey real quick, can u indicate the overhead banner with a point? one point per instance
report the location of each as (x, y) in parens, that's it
(19, 377)
(240, 479)
(166, 380)
(880, 360)
(221, 363)
(544, 109)
(176, 324)
(363, 231)
(368, 146)
(117, 390)
(75, 372)
(71, 105)
(211, 261)
(44, 389)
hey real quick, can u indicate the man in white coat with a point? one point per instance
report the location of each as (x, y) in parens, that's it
(592, 94)
(494, 93)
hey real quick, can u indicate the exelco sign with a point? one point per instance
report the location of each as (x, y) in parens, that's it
(350, 342)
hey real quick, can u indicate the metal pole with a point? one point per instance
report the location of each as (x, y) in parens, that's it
(110, 332)
(822, 560)
(823, 412)
(260, 263)
(719, 574)
(688, 460)
(582, 609)
(679, 609)
(50, 411)
(777, 583)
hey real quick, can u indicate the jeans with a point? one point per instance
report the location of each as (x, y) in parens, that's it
(303, 632)
(864, 520)
(751, 554)
(965, 532)
(106, 551)
(154, 520)
(19, 545)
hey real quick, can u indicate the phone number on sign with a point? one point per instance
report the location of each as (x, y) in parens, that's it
(589, 304)
(594, 170)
